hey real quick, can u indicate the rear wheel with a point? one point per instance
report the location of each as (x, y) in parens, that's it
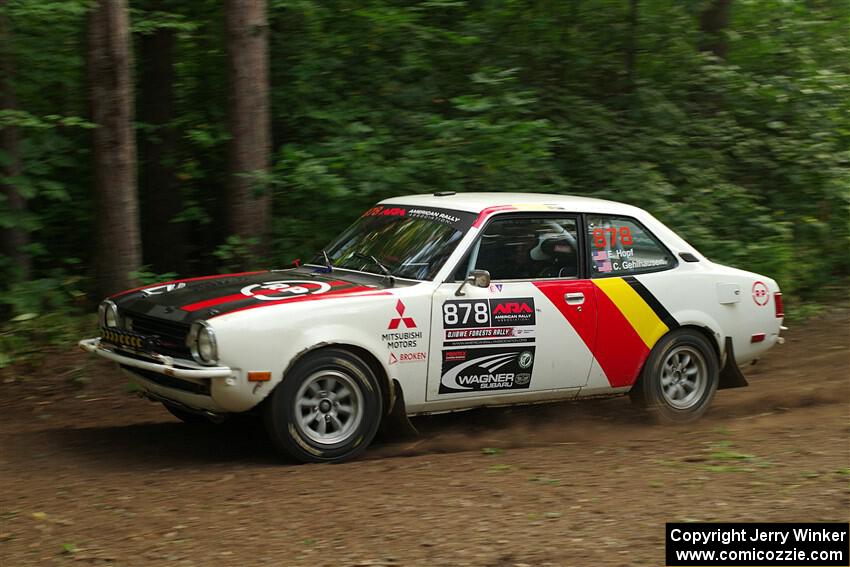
(679, 378)
(327, 409)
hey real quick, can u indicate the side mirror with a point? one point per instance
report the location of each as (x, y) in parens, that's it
(478, 278)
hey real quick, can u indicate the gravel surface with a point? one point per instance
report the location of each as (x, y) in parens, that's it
(92, 475)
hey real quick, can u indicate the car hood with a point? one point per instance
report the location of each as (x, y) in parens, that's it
(188, 300)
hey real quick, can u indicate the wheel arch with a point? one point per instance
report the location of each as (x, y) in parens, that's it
(707, 326)
(710, 336)
(388, 386)
(707, 332)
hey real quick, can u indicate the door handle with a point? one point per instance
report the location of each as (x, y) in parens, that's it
(574, 298)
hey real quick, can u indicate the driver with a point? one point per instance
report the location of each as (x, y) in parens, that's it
(557, 253)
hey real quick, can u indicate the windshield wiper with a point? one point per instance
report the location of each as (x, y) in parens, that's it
(328, 264)
(378, 263)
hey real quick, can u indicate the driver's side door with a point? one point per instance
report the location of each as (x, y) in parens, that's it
(525, 333)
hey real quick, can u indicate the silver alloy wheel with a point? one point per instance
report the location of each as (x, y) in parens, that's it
(328, 407)
(684, 377)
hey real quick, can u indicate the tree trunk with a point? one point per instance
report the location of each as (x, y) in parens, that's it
(713, 22)
(14, 239)
(248, 201)
(164, 240)
(118, 246)
(631, 47)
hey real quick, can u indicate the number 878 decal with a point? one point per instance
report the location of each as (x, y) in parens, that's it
(602, 235)
(466, 314)
(472, 313)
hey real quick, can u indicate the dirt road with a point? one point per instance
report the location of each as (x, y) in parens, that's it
(91, 475)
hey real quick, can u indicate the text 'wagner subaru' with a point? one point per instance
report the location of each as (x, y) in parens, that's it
(434, 303)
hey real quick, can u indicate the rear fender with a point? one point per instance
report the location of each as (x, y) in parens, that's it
(707, 323)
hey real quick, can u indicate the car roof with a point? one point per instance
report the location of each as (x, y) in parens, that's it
(479, 202)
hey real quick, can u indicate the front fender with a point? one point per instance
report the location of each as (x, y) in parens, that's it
(328, 335)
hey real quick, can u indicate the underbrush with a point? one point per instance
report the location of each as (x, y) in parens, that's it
(41, 315)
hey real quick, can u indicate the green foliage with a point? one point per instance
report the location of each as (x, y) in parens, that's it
(147, 277)
(748, 158)
(237, 253)
(42, 312)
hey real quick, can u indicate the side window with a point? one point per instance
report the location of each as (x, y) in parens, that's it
(526, 248)
(621, 246)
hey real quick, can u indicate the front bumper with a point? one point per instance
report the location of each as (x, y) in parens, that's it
(184, 382)
(158, 363)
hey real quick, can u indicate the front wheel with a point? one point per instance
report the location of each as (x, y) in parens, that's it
(679, 378)
(327, 409)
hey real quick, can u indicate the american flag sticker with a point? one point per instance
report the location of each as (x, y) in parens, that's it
(600, 258)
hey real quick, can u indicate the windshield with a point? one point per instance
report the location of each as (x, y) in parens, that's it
(402, 241)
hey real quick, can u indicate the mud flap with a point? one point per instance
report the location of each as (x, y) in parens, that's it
(730, 375)
(396, 424)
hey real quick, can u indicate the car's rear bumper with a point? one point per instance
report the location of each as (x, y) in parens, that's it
(181, 381)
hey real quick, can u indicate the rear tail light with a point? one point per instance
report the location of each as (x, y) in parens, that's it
(777, 302)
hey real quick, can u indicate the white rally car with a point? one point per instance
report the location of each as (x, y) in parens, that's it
(434, 303)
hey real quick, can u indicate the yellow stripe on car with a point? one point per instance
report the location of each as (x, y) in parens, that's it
(643, 319)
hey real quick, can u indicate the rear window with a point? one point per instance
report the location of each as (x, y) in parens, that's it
(622, 246)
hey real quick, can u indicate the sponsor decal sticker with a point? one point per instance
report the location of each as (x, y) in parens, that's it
(513, 312)
(456, 219)
(407, 322)
(400, 342)
(486, 369)
(457, 334)
(407, 339)
(490, 335)
(479, 313)
(284, 289)
(434, 215)
(760, 294)
(382, 211)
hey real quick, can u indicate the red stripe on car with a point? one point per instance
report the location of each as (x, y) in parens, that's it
(482, 216)
(584, 321)
(125, 292)
(619, 349)
(360, 291)
(609, 336)
(207, 303)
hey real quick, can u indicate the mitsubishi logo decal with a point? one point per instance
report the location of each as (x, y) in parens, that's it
(409, 323)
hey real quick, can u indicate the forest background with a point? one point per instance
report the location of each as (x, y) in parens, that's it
(155, 139)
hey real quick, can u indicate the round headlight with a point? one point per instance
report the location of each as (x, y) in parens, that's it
(202, 343)
(108, 314)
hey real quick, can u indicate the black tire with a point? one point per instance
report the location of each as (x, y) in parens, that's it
(315, 391)
(665, 384)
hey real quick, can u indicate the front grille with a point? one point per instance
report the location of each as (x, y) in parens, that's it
(170, 381)
(170, 336)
